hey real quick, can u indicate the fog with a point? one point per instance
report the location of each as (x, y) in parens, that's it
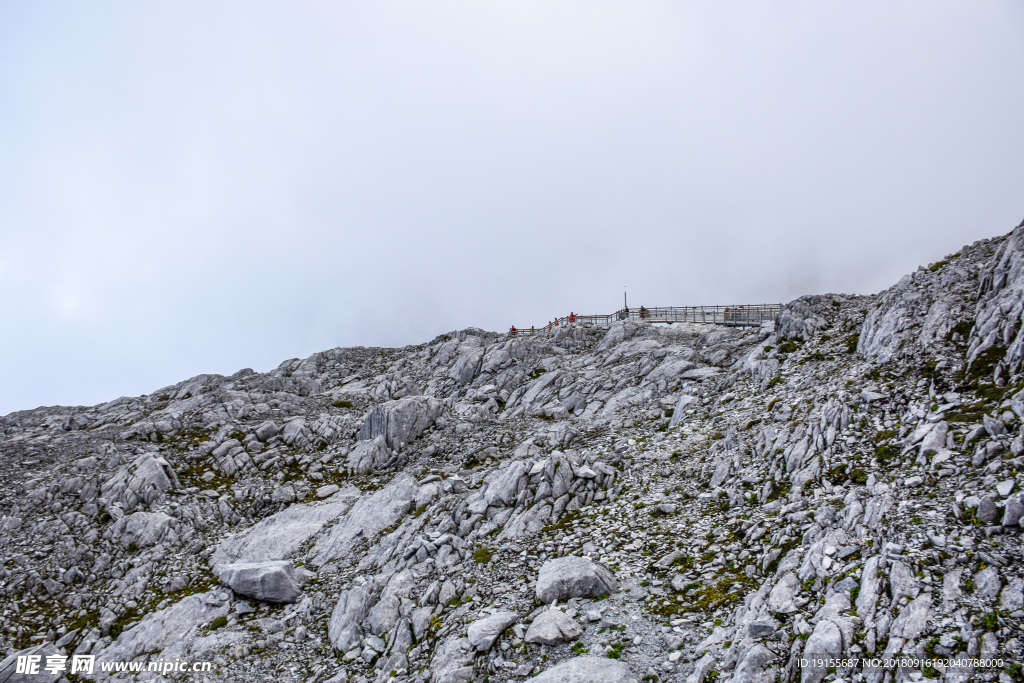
(202, 187)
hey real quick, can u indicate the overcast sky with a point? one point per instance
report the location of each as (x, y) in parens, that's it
(202, 187)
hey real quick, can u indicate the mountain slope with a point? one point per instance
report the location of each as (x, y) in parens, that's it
(678, 502)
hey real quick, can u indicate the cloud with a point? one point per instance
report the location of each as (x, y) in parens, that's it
(194, 188)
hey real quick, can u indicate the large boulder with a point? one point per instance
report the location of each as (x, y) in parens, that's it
(483, 632)
(588, 669)
(553, 626)
(368, 456)
(503, 490)
(783, 596)
(296, 433)
(385, 614)
(281, 534)
(9, 667)
(266, 431)
(345, 626)
(999, 311)
(452, 661)
(799, 319)
(141, 482)
(368, 516)
(574, 577)
(826, 642)
(266, 581)
(401, 421)
(144, 529)
(161, 629)
(935, 440)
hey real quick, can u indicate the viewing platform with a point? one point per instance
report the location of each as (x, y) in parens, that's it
(730, 316)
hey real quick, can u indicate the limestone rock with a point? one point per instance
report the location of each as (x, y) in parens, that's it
(345, 626)
(574, 577)
(272, 581)
(783, 595)
(483, 632)
(553, 626)
(401, 421)
(588, 669)
(369, 455)
(826, 642)
(9, 666)
(143, 529)
(452, 661)
(368, 516)
(161, 629)
(143, 482)
(281, 534)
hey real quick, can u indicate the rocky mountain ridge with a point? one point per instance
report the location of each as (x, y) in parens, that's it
(680, 503)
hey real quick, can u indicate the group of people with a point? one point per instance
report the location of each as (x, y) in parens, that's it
(645, 314)
(551, 324)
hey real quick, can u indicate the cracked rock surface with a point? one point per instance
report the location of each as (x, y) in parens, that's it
(672, 503)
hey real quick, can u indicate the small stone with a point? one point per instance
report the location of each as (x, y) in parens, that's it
(761, 628)
(327, 491)
(673, 641)
(483, 632)
(993, 426)
(987, 582)
(987, 511)
(283, 494)
(1013, 511)
(1004, 488)
(1012, 597)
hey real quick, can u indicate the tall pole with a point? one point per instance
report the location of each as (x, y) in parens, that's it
(624, 304)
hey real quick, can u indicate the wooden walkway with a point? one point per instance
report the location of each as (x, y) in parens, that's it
(731, 316)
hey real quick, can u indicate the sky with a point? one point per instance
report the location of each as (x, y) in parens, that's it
(199, 187)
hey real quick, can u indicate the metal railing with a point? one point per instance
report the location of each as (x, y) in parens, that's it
(731, 316)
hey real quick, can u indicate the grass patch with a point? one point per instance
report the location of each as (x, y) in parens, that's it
(985, 364)
(885, 453)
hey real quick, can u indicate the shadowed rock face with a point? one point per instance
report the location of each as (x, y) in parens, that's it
(696, 498)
